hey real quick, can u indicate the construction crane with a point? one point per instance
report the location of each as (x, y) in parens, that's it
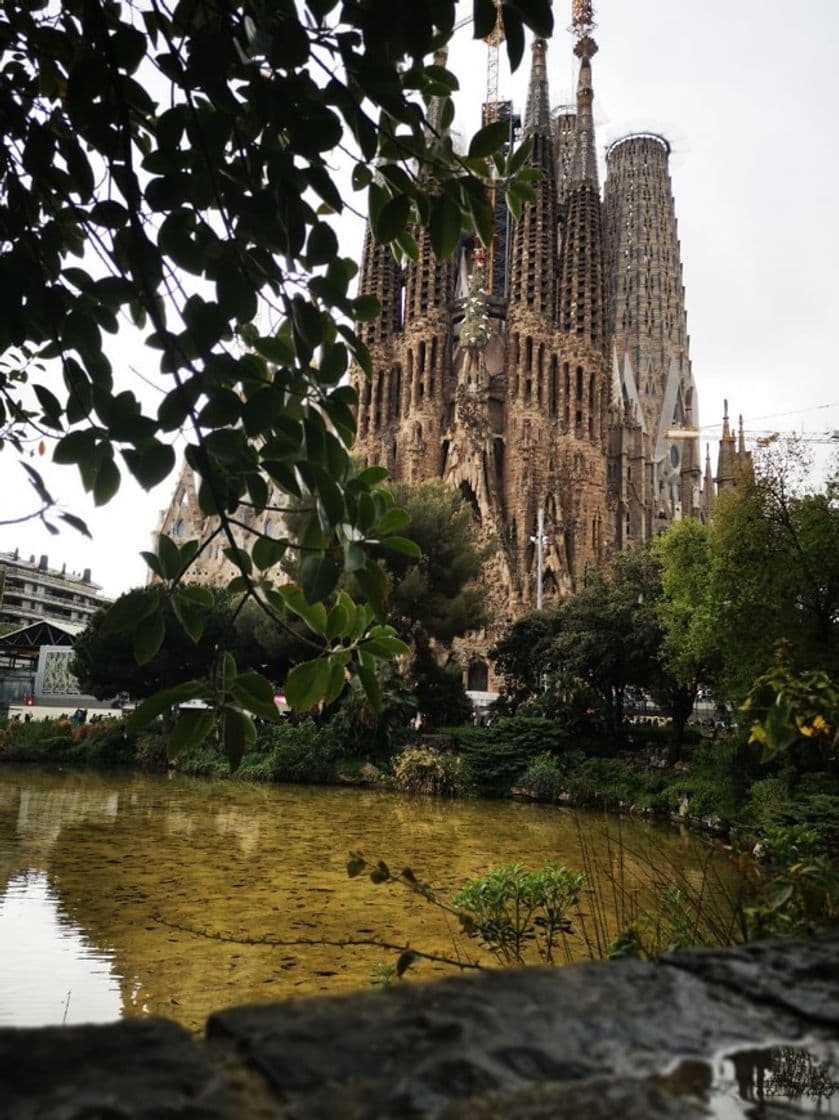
(493, 42)
(762, 436)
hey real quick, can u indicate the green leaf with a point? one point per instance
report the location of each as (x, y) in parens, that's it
(372, 689)
(306, 684)
(313, 614)
(125, 613)
(192, 728)
(149, 636)
(267, 552)
(237, 733)
(366, 308)
(255, 693)
(203, 596)
(406, 959)
(106, 482)
(318, 577)
(169, 556)
(403, 545)
(355, 864)
(151, 462)
(385, 646)
(520, 156)
(188, 616)
(162, 701)
(392, 521)
(336, 680)
(484, 15)
(444, 226)
(392, 219)
(373, 583)
(489, 139)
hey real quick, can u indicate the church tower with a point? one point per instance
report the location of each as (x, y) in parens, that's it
(647, 322)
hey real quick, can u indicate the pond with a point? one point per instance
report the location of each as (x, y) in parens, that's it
(127, 894)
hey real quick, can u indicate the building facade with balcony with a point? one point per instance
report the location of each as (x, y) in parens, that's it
(31, 591)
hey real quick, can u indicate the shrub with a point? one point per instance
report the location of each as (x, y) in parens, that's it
(604, 781)
(150, 752)
(204, 761)
(424, 770)
(544, 778)
(510, 908)
(497, 755)
(288, 752)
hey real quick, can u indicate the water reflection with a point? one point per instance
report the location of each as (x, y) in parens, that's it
(749, 1082)
(155, 872)
(51, 974)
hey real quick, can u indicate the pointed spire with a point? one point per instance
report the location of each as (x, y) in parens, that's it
(534, 244)
(707, 492)
(585, 155)
(726, 458)
(741, 438)
(434, 116)
(537, 116)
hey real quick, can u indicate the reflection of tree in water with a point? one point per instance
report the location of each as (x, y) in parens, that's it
(784, 1072)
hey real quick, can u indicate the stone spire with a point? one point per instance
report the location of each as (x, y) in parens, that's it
(585, 154)
(582, 294)
(428, 281)
(534, 249)
(708, 484)
(537, 115)
(741, 438)
(726, 474)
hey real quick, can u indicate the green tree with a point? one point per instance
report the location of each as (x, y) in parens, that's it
(607, 634)
(104, 661)
(522, 655)
(774, 557)
(172, 164)
(438, 593)
(692, 638)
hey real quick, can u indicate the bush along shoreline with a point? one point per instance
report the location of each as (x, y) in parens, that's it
(726, 787)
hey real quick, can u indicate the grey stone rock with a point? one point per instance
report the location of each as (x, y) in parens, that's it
(412, 1050)
(137, 1069)
(803, 980)
(632, 1039)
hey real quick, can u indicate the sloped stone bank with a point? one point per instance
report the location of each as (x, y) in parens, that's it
(631, 1039)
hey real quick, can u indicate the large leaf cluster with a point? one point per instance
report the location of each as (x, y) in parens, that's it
(170, 163)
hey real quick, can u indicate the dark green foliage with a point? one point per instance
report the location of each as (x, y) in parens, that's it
(544, 779)
(173, 165)
(46, 741)
(437, 595)
(104, 661)
(497, 755)
(358, 731)
(438, 690)
(290, 752)
(427, 770)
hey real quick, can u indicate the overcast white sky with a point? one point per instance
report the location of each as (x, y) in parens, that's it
(748, 94)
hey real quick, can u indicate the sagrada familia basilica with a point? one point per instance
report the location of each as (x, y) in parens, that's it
(547, 378)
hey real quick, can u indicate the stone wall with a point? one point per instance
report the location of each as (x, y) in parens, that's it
(691, 1035)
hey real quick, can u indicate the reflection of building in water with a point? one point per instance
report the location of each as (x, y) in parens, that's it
(787, 1073)
(231, 822)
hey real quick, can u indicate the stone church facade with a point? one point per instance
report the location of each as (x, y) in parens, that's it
(547, 376)
(552, 372)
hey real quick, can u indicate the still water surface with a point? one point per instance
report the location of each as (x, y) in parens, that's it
(120, 894)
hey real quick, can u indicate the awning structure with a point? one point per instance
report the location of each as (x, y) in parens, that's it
(26, 642)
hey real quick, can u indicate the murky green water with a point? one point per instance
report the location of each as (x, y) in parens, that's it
(117, 890)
